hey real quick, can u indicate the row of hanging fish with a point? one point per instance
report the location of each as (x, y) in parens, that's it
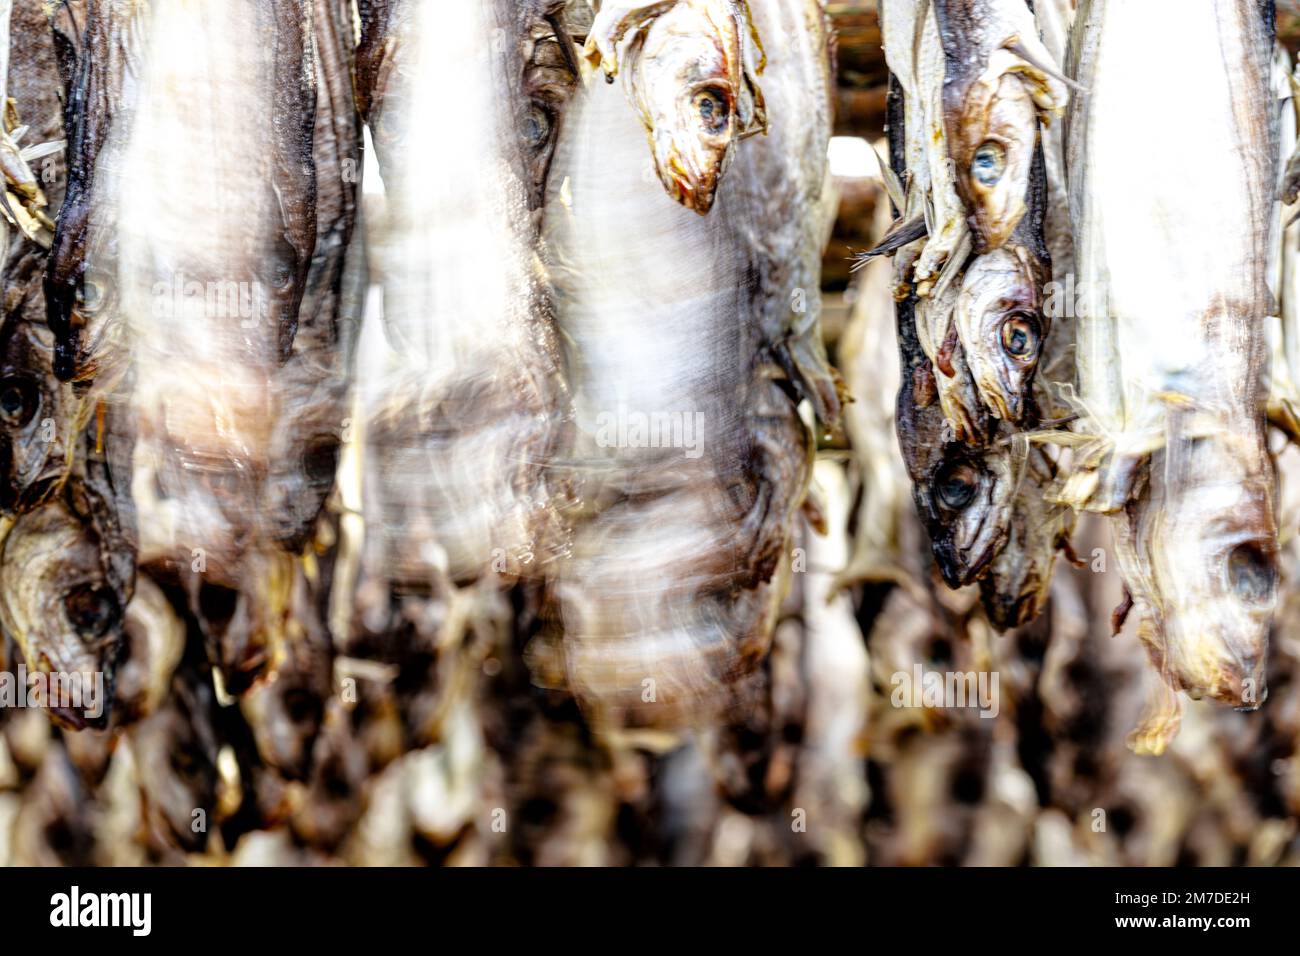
(972, 84)
(1134, 384)
(294, 470)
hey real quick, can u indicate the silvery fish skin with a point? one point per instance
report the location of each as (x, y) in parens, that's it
(67, 573)
(129, 52)
(781, 182)
(208, 317)
(552, 65)
(691, 69)
(1284, 378)
(39, 416)
(999, 79)
(467, 392)
(1183, 466)
(1054, 19)
(680, 550)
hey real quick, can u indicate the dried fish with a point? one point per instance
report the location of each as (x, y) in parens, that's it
(1176, 422)
(679, 555)
(999, 78)
(691, 68)
(67, 571)
(1002, 328)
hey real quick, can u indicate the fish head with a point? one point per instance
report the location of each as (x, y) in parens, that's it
(155, 641)
(83, 310)
(548, 85)
(334, 793)
(1003, 329)
(966, 503)
(302, 458)
(37, 412)
(1213, 558)
(694, 82)
(177, 750)
(992, 143)
(63, 603)
(286, 712)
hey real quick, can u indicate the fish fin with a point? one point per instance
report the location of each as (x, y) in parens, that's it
(1043, 65)
(1159, 722)
(900, 234)
(612, 26)
(1120, 614)
(893, 185)
(953, 266)
(943, 359)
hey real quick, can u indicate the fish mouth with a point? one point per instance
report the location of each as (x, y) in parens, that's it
(694, 192)
(1004, 614)
(956, 568)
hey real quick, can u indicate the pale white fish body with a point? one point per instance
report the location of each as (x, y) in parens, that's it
(651, 311)
(653, 302)
(193, 298)
(680, 553)
(1173, 348)
(1154, 262)
(837, 667)
(454, 432)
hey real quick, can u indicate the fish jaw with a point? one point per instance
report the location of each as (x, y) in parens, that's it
(690, 174)
(1213, 557)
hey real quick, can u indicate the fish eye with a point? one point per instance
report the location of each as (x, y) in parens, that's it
(956, 485)
(711, 104)
(91, 610)
(1251, 574)
(989, 163)
(284, 264)
(1020, 336)
(19, 400)
(321, 461)
(92, 295)
(537, 127)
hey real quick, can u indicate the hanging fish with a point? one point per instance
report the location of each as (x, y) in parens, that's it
(691, 68)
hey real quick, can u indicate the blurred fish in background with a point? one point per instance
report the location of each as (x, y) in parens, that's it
(579, 432)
